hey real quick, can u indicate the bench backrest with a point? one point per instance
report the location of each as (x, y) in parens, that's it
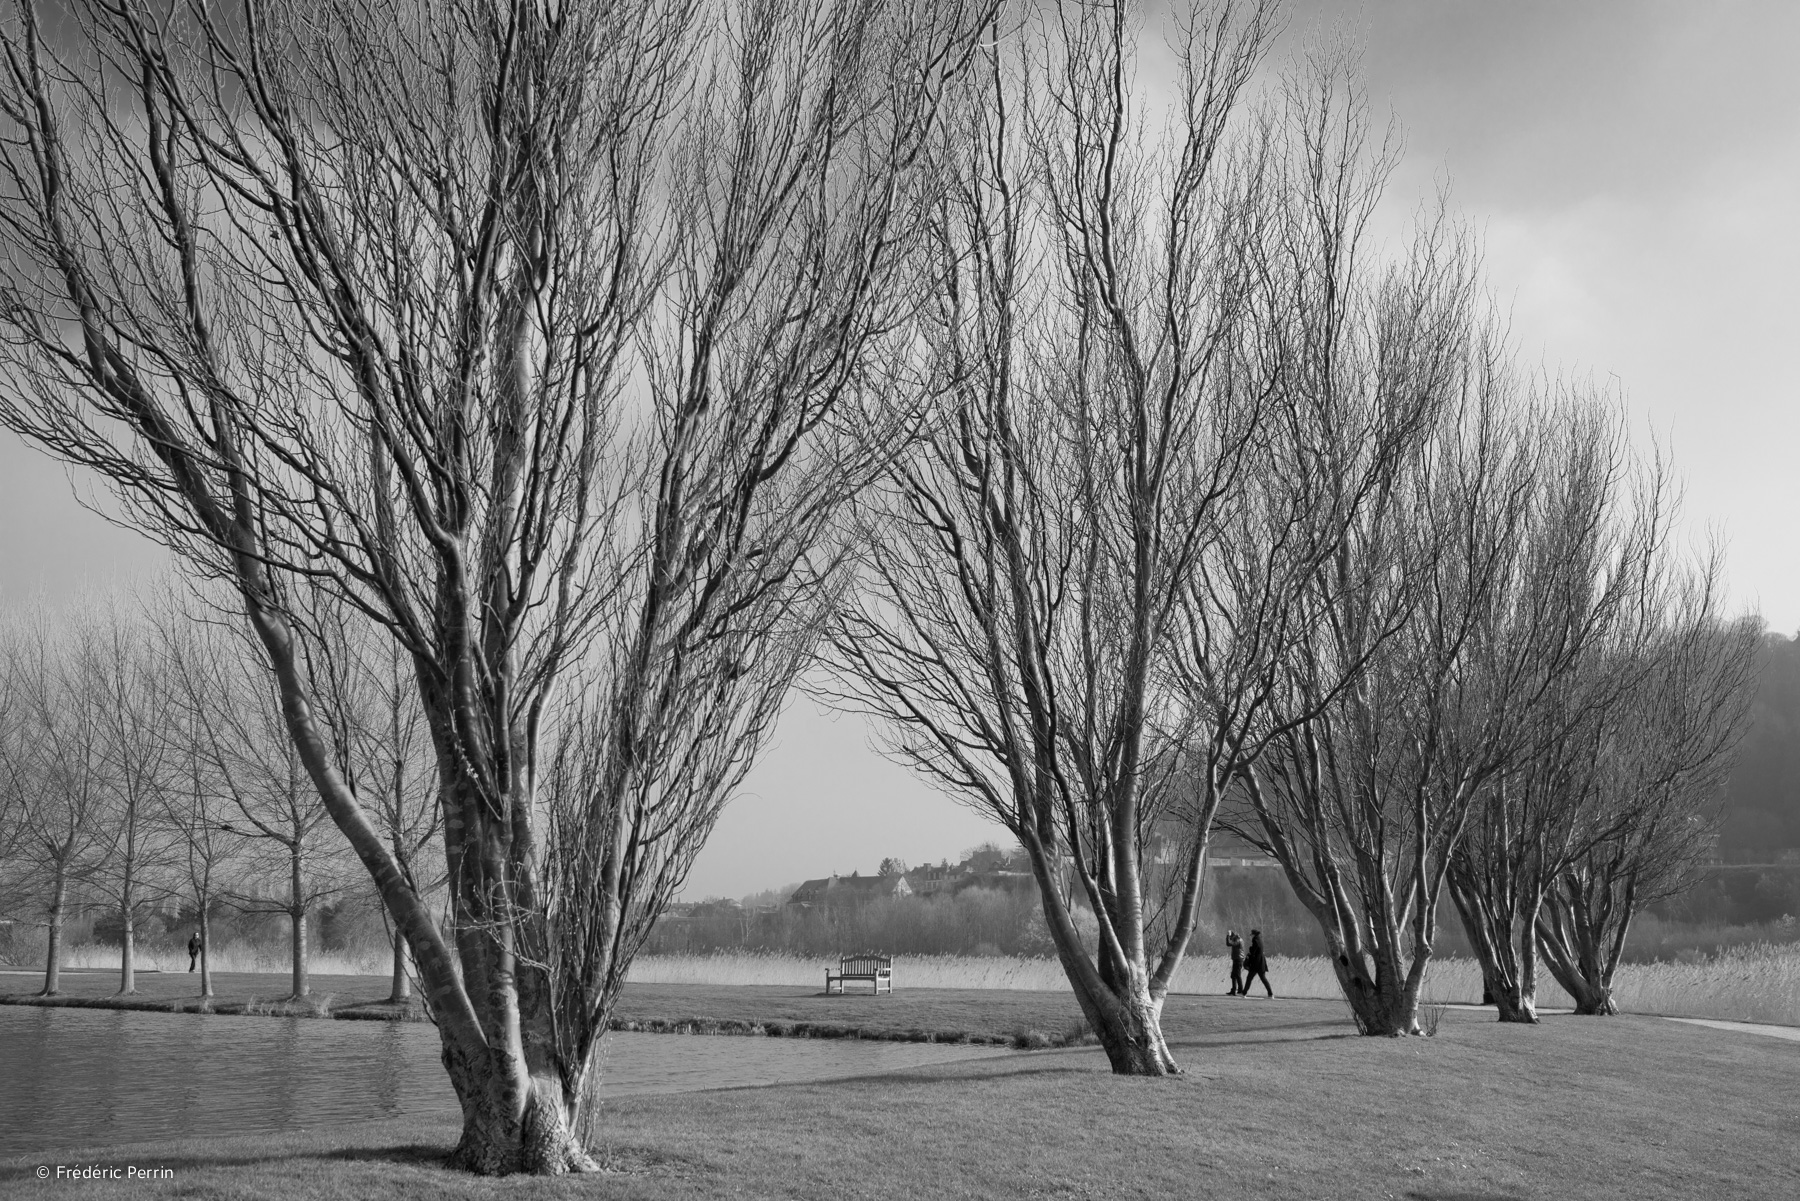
(863, 965)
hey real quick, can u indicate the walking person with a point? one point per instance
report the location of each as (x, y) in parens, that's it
(1235, 945)
(194, 945)
(1255, 964)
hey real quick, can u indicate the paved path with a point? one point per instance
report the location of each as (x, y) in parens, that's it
(1792, 1033)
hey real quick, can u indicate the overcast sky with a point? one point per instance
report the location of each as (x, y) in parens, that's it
(1635, 168)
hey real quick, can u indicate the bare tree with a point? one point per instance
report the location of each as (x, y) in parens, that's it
(197, 805)
(1594, 571)
(527, 330)
(54, 767)
(388, 762)
(1658, 768)
(1100, 396)
(1382, 720)
(279, 829)
(131, 698)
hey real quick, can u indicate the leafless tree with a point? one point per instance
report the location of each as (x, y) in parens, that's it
(131, 699)
(388, 761)
(1397, 701)
(276, 827)
(527, 329)
(53, 765)
(1100, 393)
(1658, 768)
(1595, 565)
(192, 643)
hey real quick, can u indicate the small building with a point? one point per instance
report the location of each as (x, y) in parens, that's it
(843, 892)
(930, 881)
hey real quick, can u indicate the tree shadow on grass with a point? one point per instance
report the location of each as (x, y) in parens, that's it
(425, 1154)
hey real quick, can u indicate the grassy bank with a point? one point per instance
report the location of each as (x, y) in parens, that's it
(1621, 1108)
(332, 995)
(1028, 1019)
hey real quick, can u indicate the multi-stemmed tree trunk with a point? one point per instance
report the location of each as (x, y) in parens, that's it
(1098, 393)
(1595, 568)
(1657, 771)
(527, 330)
(1378, 746)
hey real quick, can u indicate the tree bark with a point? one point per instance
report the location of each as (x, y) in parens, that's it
(1384, 1003)
(402, 988)
(297, 911)
(1116, 997)
(206, 988)
(127, 949)
(1505, 949)
(513, 1125)
(59, 892)
(1571, 947)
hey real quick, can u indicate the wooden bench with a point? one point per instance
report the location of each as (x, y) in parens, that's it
(875, 970)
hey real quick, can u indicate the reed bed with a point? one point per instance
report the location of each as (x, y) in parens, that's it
(1740, 984)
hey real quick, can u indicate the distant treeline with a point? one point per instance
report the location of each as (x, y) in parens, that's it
(1760, 807)
(972, 921)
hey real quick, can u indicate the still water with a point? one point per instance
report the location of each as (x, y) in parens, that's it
(75, 1076)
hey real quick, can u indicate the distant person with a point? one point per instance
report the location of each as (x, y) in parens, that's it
(194, 945)
(1235, 945)
(1255, 964)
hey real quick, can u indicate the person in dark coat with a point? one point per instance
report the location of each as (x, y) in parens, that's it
(1235, 945)
(1256, 965)
(194, 945)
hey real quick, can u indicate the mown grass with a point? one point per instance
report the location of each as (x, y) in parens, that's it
(1626, 1108)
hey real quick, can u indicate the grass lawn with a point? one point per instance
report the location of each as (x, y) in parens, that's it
(980, 1013)
(1279, 1100)
(944, 1014)
(233, 991)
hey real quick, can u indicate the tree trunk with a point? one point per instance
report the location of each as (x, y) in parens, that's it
(206, 988)
(1132, 1036)
(301, 987)
(59, 892)
(402, 989)
(1117, 1001)
(297, 910)
(1506, 954)
(127, 950)
(1385, 1006)
(513, 1122)
(1573, 941)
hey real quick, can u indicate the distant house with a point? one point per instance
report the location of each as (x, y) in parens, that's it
(930, 881)
(842, 892)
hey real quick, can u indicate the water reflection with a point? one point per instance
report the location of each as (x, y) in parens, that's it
(70, 1076)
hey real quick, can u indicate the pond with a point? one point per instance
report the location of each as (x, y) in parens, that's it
(98, 1076)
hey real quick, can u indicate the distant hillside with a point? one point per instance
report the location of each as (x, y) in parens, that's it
(1761, 802)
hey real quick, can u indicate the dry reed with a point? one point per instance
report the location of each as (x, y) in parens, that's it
(1748, 984)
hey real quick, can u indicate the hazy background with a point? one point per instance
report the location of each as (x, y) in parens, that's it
(1635, 167)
